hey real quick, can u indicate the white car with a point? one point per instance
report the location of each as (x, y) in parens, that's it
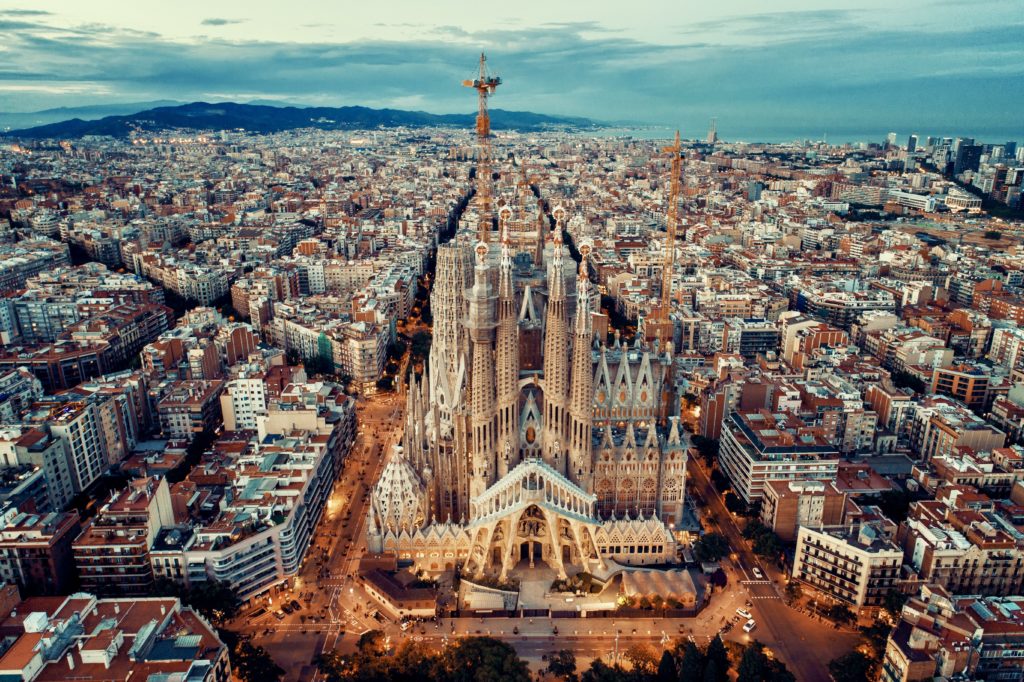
(744, 613)
(757, 573)
(750, 625)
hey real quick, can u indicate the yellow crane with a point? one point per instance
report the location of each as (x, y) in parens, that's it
(661, 326)
(485, 85)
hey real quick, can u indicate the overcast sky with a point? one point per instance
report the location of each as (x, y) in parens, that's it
(815, 65)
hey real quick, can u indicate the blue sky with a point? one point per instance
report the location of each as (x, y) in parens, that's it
(804, 66)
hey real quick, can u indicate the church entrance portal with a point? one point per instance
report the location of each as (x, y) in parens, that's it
(531, 551)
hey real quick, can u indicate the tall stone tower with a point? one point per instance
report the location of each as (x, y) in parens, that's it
(481, 395)
(448, 381)
(506, 357)
(581, 399)
(556, 365)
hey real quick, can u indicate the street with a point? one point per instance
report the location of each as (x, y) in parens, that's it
(804, 645)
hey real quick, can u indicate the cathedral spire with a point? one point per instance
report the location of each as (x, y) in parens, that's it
(556, 357)
(582, 394)
(482, 397)
(506, 360)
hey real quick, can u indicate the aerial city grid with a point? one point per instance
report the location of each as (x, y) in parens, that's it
(293, 388)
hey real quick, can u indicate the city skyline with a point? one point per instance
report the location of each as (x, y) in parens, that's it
(798, 71)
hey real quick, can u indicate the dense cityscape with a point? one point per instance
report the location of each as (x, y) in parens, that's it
(547, 401)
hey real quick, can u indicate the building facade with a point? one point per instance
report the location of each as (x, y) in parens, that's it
(525, 441)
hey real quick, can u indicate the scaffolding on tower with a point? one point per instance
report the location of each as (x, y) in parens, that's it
(660, 325)
(485, 85)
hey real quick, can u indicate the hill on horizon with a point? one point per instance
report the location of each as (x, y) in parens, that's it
(262, 118)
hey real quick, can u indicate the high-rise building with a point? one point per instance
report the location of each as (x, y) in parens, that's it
(912, 144)
(968, 157)
(890, 140)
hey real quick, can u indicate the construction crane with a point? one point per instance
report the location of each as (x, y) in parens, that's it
(661, 328)
(485, 86)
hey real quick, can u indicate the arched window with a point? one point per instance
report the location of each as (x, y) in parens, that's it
(647, 496)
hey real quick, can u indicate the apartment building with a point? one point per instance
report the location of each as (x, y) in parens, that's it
(190, 408)
(82, 637)
(966, 551)
(112, 552)
(857, 566)
(759, 446)
(949, 636)
(36, 552)
(940, 424)
(786, 506)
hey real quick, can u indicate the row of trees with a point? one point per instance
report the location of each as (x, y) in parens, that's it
(685, 663)
(483, 659)
(466, 660)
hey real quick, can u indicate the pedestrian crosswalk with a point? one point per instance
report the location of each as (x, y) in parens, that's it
(755, 582)
(765, 596)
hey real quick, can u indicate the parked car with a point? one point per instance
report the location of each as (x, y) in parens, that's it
(744, 613)
(296, 605)
(749, 626)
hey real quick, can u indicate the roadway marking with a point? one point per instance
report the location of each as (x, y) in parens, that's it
(755, 582)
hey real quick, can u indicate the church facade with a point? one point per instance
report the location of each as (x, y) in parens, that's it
(527, 440)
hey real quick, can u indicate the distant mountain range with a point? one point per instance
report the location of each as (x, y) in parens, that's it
(31, 119)
(262, 118)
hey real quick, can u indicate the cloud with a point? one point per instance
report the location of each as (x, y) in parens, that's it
(820, 69)
(25, 12)
(220, 21)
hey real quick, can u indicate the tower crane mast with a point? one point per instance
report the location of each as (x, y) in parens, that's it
(485, 85)
(662, 327)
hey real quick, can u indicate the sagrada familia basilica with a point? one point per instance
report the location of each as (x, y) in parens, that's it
(527, 439)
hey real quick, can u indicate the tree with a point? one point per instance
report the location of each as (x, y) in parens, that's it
(421, 344)
(484, 659)
(599, 671)
(371, 642)
(734, 504)
(793, 591)
(711, 673)
(711, 547)
(707, 448)
(853, 667)
(717, 655)
(841, 613)
(876, 637)
(333, 665)
(993, 234)
(753, 529)
(253, 664)
(768, 545)
(214, 599)
(562, 664)
(753, 665)
(666, 668)
(691, 663)
(642, 657)
(894, 601)
(756, 666)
